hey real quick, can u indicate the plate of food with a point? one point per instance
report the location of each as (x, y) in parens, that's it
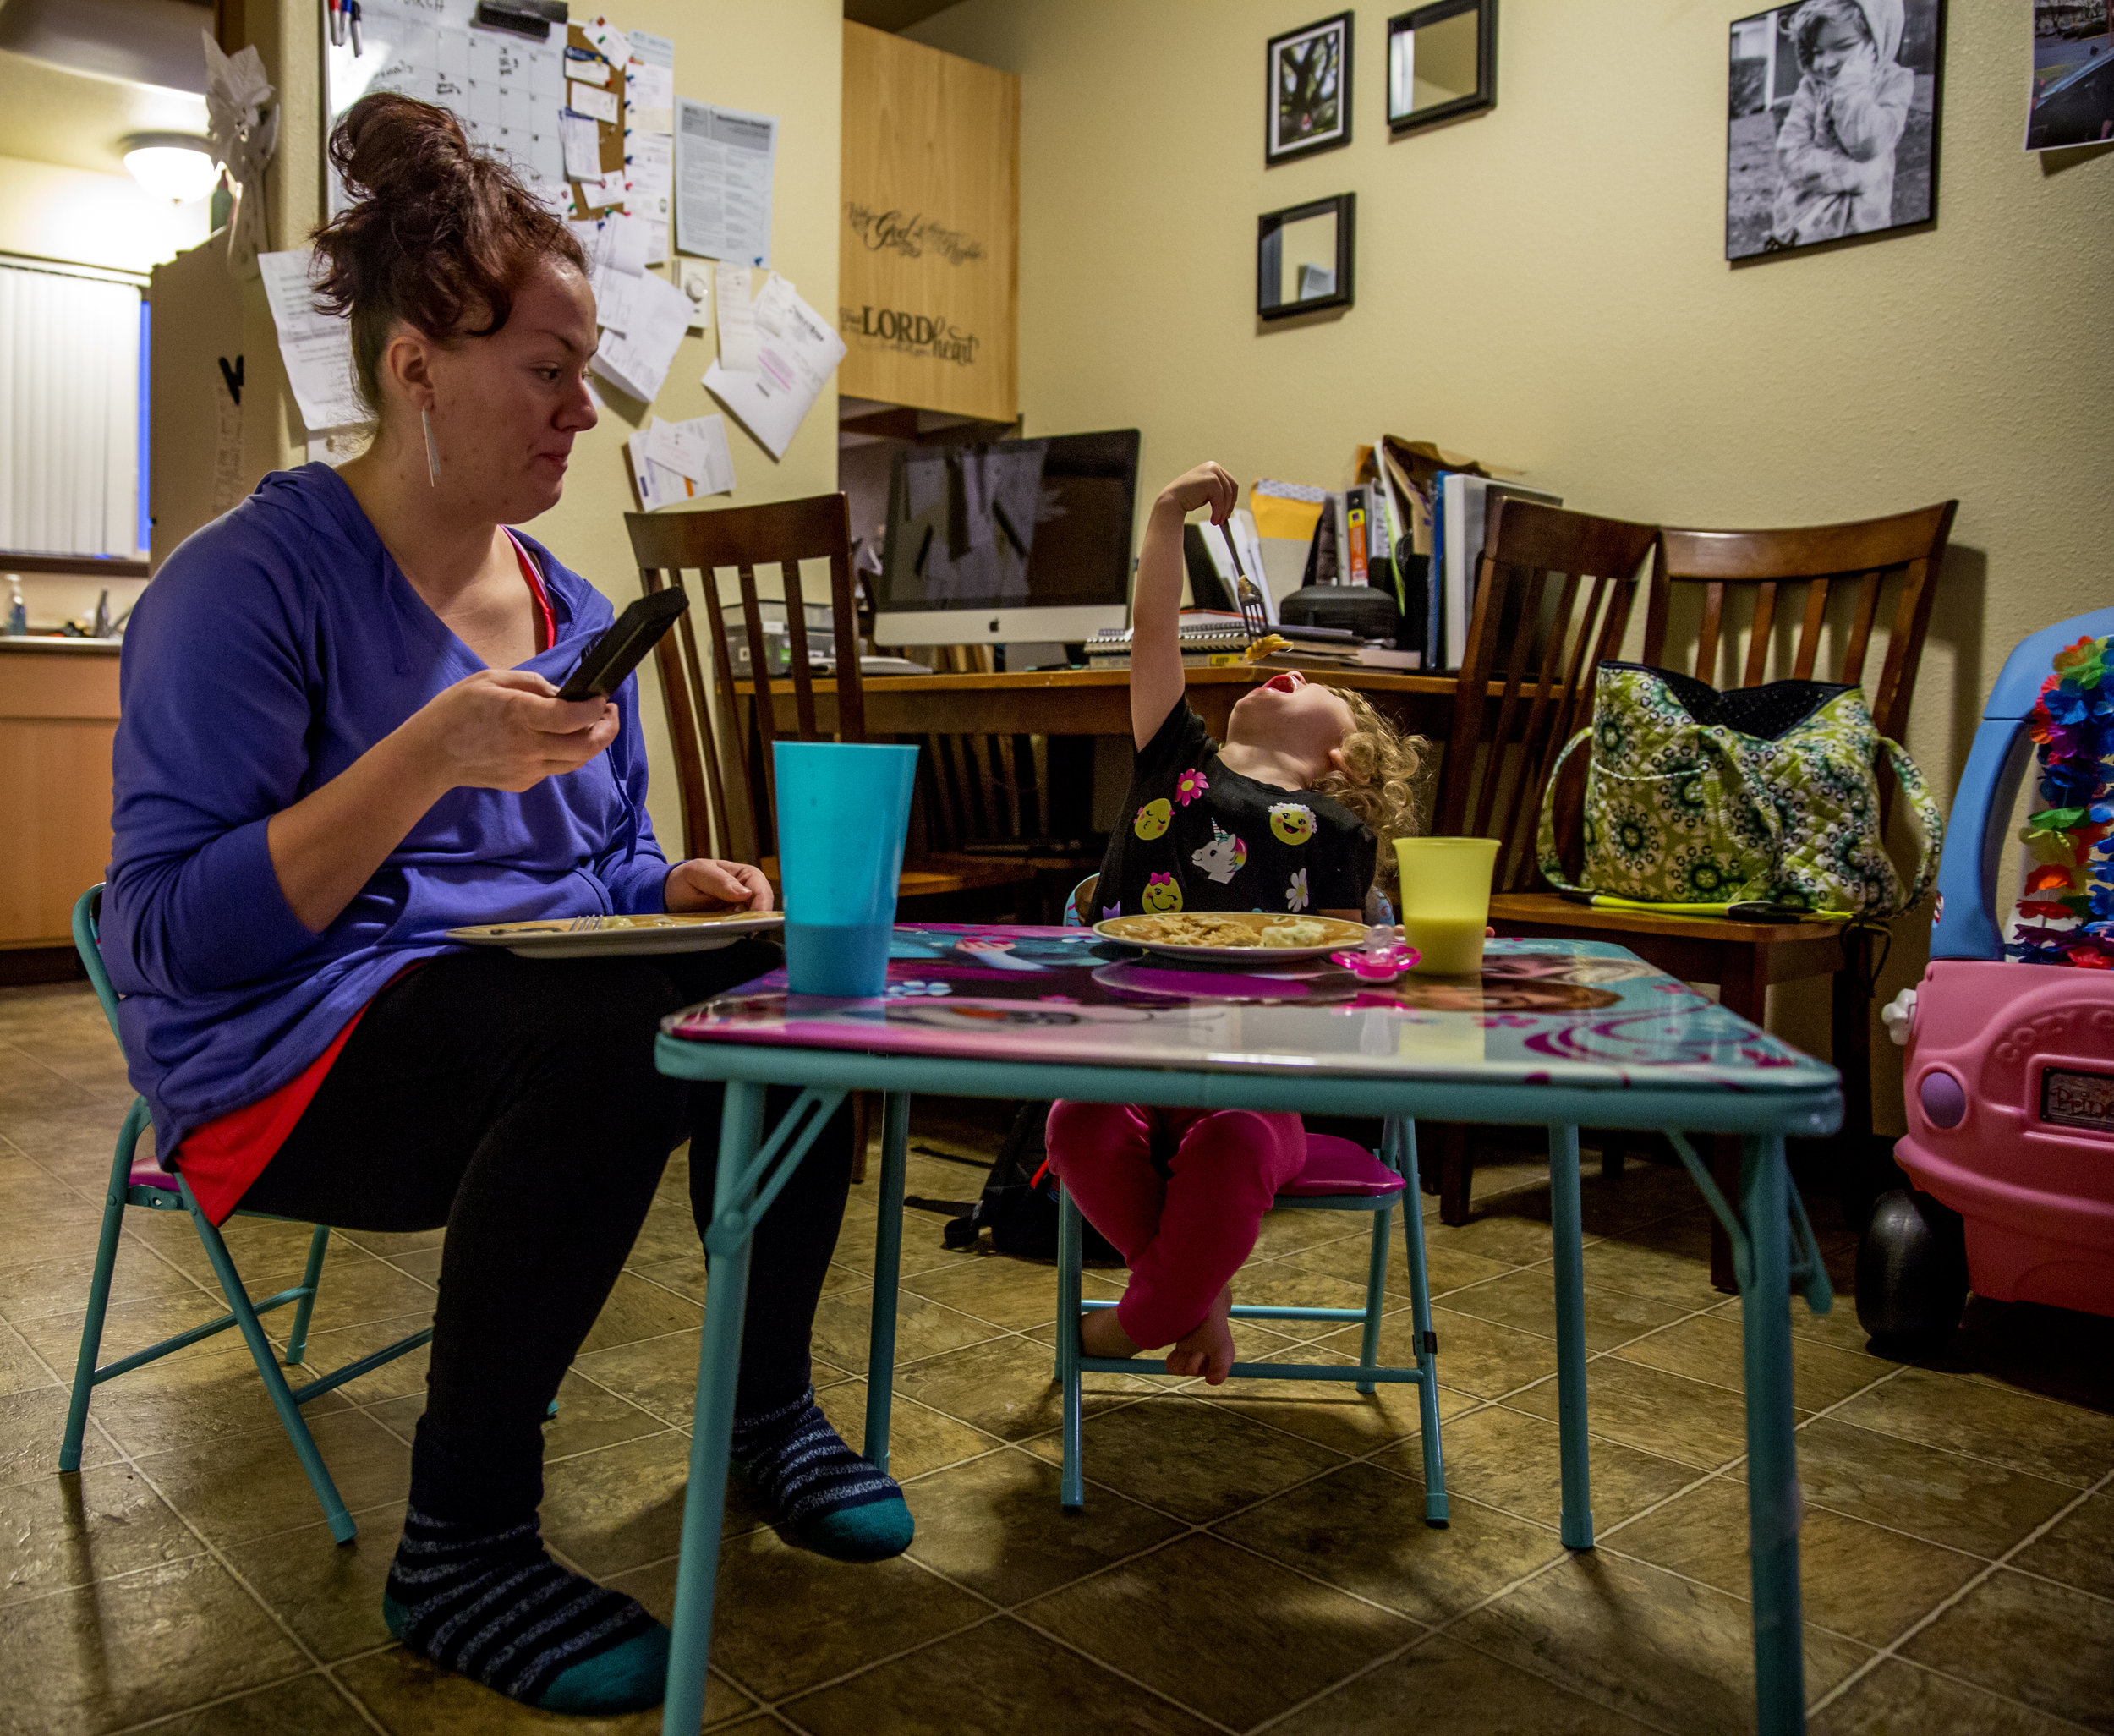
(595, 936)
(1234, 937)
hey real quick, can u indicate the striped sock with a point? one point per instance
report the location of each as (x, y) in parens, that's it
(491, 1605)
(832, 1500)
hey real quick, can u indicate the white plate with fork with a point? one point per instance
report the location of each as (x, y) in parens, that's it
(602, 936)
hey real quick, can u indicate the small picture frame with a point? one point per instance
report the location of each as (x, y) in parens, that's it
(1442, 62)
(1304, 258)
(1309, 90)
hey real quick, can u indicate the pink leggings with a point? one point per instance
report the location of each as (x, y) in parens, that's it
(1181, 1192)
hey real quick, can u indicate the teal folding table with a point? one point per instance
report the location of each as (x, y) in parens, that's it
(1556, 1033)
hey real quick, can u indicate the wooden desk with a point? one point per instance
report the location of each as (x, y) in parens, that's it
(1090, 701)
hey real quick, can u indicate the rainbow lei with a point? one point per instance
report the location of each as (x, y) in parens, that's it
(2071, 840)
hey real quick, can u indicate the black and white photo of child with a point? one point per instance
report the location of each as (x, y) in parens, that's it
(1830, 118)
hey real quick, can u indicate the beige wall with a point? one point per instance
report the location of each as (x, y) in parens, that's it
(1544, 286)
(783, 58)
(49, 211)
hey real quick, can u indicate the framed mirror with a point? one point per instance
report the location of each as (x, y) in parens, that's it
(1442, 62)
(1303, 257)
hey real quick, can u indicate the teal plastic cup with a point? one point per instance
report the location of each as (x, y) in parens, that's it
(843, 809)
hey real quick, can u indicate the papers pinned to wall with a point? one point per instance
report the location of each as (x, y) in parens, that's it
(316, 346)
(637, 359)
(793, 366)
(725, 161)
(650, 92)
(737, 319)
(679, 461)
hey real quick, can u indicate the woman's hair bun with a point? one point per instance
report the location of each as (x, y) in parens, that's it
(388, 145)
(439, 235)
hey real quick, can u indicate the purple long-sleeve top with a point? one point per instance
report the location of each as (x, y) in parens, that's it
(275, 647)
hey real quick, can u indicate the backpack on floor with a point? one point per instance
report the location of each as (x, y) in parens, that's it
(1019, 1205)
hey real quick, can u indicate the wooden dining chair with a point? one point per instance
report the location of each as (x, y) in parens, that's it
(1555, 592)
(701, 712)
(1746, 578)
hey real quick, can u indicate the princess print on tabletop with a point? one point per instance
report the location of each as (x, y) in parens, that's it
(1289, 814)
(1835, 151)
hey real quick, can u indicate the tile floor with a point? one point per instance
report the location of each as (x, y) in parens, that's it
(1250, 1557)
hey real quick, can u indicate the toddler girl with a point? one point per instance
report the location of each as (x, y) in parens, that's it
(1286, 816)
(1835, 152)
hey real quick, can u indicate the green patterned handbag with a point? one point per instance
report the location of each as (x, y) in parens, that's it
(1767, 794)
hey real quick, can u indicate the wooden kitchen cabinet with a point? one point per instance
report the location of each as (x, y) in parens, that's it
(59, 715)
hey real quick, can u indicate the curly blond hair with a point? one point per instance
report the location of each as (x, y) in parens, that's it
(1378, 780)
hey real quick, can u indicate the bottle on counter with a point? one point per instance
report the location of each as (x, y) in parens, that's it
(18, 611)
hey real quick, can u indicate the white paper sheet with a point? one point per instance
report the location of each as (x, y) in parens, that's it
(627, 239)
(608, 40)
(658, 485)
(773, 302)
(316, 347)
(725, 161)
(649, 160)
(582, 142)
(585, 99)
(615, 299)
(696, 449)
(588, 68)
(636, 361)
(599, 192)
(663, 453)
(791, 373)
(650, 95)
(652, 50)
(737, 319)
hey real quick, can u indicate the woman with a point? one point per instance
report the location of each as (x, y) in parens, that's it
(340, 739)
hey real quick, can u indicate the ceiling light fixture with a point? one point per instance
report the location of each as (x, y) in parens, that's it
(172, 166)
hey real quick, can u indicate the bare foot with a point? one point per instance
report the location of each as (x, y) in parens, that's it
(1101, 1335)
(1207, 1348)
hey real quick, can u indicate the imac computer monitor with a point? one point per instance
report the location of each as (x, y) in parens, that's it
(1016, 540)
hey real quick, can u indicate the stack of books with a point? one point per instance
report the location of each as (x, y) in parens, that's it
(1438, 509)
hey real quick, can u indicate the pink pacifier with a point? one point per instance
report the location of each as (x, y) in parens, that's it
(1382, 959)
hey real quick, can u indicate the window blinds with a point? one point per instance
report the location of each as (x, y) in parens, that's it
(70, 412)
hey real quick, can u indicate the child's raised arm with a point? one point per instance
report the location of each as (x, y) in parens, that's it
(1156, 653)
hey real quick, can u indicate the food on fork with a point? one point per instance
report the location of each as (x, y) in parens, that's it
(1267, 646)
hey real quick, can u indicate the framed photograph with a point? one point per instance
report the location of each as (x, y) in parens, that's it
(1831, 123)
(1442, 62)
(2073, 99)
(1304, 258)
(1310, 90)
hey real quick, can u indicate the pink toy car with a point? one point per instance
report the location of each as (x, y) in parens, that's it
(2009, 1070)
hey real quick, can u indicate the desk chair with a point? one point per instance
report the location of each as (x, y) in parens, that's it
(1846, 569)
(1002, 789)
(142, 1182)
(781, 533)
(1554, 594)
(1341, 1175)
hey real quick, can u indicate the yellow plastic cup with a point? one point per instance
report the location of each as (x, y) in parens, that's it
(1445, 900)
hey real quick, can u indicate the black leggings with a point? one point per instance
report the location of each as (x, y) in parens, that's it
(516, 1101)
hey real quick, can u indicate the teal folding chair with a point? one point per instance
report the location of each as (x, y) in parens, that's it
(1341, 1175)
(142, 1182)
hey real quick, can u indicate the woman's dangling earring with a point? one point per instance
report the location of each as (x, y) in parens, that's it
(432, 451)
